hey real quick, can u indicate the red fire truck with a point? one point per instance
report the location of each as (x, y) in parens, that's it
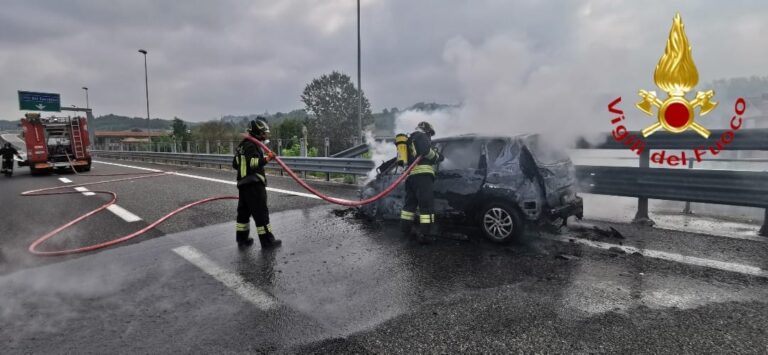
(56, 142)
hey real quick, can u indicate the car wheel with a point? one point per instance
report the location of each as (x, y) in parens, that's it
(501, 223)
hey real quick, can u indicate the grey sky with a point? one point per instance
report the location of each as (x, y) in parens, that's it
(210, 58)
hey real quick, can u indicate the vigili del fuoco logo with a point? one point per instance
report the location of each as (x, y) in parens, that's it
(676, 75)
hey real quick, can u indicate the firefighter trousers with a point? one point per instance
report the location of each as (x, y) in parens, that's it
(419, 195)
(8, 164)
(253, 203)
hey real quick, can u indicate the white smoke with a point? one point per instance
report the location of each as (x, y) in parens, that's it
(380, 152)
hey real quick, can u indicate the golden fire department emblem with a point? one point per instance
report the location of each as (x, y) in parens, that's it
(676, 75)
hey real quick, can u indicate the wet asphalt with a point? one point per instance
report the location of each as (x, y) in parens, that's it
(344, 285)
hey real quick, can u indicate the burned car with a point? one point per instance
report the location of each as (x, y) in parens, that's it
(500, 184)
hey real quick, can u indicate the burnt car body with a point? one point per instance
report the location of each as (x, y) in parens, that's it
(501, 184)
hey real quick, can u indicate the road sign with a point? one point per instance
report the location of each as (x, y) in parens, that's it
(39, 101)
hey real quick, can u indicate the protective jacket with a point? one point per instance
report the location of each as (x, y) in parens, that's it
(420, 145)
(8, 153)
(249, 162)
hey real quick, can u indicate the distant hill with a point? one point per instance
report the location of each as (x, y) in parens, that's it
(9, 125)
(384, 120)
(112, 122)
(109, 122)
(273, 119)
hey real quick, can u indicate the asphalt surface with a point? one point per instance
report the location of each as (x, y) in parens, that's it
(342, 285)
(148, 198)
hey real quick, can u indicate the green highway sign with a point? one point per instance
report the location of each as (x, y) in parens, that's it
(39, 101)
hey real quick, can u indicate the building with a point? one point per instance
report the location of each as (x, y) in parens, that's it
(113, 140)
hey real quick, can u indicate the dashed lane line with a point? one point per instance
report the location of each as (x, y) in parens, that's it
(233, 281)
(228, 182)
(663, 255)
(126, 215)
(84, 191)
(65, 180)
(123, 213)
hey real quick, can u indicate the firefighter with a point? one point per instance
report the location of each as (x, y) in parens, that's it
(418, 186)
(7, 152)
(249, 161)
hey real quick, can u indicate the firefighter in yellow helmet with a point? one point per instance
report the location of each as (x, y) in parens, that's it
(419, 194)
(249, 161)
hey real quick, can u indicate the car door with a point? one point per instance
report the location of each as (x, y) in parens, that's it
(460, 176)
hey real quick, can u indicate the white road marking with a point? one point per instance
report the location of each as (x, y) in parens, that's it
(84, 191)
(128, 166)
(123, 213)
(232, 280)
(228, 182)
(663, 255)
(65, 180)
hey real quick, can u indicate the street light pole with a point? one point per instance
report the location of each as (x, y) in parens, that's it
(146, 87)
(359, 88)
(86, 97)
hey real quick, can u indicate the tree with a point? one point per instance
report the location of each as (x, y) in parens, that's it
(215, 131)
(331, 101)
(180, 129)
(288, 130)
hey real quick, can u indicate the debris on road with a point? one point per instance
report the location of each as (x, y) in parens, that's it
(617, 250)
(566, 257)
(610, 232)
(344, 212)
(455, 236)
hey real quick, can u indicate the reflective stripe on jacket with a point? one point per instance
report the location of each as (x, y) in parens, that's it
(249, 163)
(420, 145)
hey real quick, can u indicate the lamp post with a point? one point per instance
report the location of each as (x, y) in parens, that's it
(86, 97)
(359, 88)
(146, 87)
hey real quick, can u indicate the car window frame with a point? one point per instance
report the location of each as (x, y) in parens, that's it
(481, 159)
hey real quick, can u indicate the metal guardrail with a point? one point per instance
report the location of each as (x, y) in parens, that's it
(303, 164)
(745, 139)
(738, 188)
(355, 151)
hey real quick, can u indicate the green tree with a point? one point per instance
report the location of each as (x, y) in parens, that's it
(215, 131)
(290, 128)
(180, 130)
(331, 101)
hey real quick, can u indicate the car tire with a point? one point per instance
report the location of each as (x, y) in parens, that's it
(501, 223)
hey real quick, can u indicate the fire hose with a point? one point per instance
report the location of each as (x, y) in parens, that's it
(52, 191)
(335, 200)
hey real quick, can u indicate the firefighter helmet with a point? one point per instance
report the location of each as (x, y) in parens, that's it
(258, 127)
(425, 127)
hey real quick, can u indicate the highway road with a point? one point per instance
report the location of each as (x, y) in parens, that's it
(342, 285)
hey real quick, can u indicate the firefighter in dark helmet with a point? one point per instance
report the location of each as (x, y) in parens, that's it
(418, 186)
(7, 152)
(249, 161)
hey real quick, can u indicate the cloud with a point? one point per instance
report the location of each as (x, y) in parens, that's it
(207, 59)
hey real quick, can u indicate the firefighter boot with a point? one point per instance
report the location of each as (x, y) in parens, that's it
(243, 240)
(406, 227)
(268, 241)
(426, 221)
(424, 235)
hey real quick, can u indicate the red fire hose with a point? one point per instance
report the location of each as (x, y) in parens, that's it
(338, 201)
(51, 191)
